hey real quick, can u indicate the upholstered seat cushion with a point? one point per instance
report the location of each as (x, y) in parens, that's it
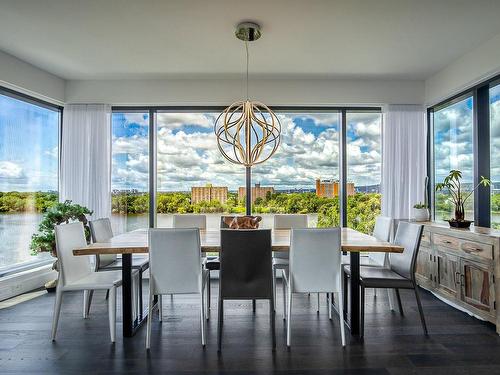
(281, 263)
(138, 262)
(380, 277)
(212, 264)
(364, 260)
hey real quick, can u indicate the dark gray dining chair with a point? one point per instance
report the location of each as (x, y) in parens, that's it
(245, 271)
(399, 275)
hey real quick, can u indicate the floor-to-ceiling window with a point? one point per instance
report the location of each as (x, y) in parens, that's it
(303, 175)
(364, 157)
(191, 174)
(130, 170)
(29, 159)
(495, 155)
(453, 150)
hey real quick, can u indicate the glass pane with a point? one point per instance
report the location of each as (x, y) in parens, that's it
(303, 174)
(363, 169)
(453, 150)
(192, 175)
(29, 154)
(130, 171)
(495, 155)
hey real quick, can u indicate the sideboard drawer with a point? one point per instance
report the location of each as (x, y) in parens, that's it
(446, 241)
(479, 249)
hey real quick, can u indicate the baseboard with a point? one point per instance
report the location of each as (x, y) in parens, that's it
(25, 281)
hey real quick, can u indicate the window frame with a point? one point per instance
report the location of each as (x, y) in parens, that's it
(480, 146)
(5, 91)
(342, 110)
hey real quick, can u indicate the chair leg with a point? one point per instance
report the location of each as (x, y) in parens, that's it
(112, 313)
(341, 318)
(87, 300)
(57, 312)
(209, 296)
(329, 302)
(150, 318)
(107, 294)
(400, 305)
(284, 293)
(254, 305)
(272, 315)
(420, 310)
(362, 310)
(345, 284)
(375, 292)
(317, 310)
(160, 308)
(141, 307)
(274, 283)
(202, 318)
(289, 319)
(219, 325)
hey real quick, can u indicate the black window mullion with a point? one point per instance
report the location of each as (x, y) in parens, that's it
(343, 169)
(481, 147)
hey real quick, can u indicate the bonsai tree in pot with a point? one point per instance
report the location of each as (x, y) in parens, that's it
(45, 240)
(453, 184)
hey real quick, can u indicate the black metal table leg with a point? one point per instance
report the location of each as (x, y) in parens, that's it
(130, 325)
(128, 321)
(354, 323)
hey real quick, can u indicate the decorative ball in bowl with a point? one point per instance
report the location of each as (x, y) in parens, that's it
(460, 223)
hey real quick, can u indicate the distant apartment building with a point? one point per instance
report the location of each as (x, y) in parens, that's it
(257, 192)
(330, 188)
(208, 193)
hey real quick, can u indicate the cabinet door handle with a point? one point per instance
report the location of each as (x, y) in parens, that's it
(447, 241)
(457, 278)
(462, 279)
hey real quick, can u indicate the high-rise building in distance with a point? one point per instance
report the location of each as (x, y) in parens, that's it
(208, 193)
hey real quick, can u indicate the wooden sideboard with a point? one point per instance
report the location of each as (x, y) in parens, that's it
(462, 267)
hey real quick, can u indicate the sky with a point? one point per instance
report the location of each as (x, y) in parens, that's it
(29, 137)
(188, 154)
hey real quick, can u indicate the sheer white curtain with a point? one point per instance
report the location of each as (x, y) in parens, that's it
(86, 157)
(404, 159)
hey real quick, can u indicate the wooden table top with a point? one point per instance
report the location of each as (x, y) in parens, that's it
(137, 242)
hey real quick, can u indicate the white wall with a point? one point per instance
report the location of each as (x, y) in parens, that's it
(225, 91)
(23, 77)
(481, 63)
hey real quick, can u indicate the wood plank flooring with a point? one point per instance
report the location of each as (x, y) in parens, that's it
(458, 344)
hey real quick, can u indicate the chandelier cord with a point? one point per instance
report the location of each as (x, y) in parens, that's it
(246, 47)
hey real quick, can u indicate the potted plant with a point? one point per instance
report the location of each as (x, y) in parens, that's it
(452, 184)
(421, 212)
(45, 240)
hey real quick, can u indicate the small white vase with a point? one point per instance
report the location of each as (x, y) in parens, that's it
(421, 214)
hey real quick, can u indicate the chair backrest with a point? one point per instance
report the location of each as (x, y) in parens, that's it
(408, 236)
(101, 231)
(190, 221)
(290, 221)
(315, 260)
(246, 264)
(381, 231)
(71, 267)
(175, 260)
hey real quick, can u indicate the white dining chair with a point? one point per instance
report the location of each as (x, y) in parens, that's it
(281, 259)
(75, 274)
(175, 268)
(315, 267)
(211, 263)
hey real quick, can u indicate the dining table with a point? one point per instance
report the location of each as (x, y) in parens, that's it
(136, 242)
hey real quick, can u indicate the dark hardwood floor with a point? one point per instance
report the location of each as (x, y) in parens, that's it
(457, 344)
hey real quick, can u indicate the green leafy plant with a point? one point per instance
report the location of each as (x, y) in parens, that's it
(452, 183)
(44, 240)
(420, 205)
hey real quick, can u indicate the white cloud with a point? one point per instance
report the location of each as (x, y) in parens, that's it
(10, 170)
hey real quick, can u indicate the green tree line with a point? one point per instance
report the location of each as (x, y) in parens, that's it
(14, 201)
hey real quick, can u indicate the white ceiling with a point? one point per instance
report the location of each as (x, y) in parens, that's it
(379, 39)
